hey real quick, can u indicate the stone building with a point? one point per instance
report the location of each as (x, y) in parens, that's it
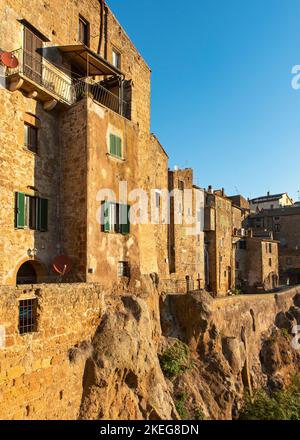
(218, 242)
(270, 201)
(284, 224)
(186, 235)
(235, 258)
(75, 120)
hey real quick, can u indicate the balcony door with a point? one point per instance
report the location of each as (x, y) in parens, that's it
(33, 56)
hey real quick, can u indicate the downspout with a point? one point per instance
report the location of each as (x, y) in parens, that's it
(101, 26)
(105, 31)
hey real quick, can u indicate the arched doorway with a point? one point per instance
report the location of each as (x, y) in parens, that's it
(27, 273)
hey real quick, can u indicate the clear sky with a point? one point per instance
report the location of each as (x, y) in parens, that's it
(222, 100)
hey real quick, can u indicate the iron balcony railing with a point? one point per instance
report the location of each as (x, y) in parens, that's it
(61, 86)
(37, 69)
(101, 95)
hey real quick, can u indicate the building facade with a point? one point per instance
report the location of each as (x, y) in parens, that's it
(270, 201)
(75, 120)
(284, 224)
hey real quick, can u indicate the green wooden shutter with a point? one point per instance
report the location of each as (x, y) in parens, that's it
(125, 227)
(20, 210)
(112, 148)
(119, 147)
(42, 217)
(115, 145)
(106, 220)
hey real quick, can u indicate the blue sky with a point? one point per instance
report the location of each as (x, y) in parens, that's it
(222, 100)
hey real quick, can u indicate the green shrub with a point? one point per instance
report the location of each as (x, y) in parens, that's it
(285, 332)
(175, 360)
(282, 405)
(180, 406)
(199, 415)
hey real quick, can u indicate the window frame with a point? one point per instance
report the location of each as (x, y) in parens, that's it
(31, 212)
(29, 304)
(28, 130)
(118, 56)
(113, 214)
(116, 146)
(83, 31)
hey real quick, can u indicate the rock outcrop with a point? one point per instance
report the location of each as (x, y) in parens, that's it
(122, 378)
(235, 344)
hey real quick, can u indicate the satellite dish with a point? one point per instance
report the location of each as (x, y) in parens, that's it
(62, 264)
(9, 60)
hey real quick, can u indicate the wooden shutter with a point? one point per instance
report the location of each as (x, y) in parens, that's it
(106, 219)
(20, 210)
(118, 147)
(125, 227)
(115, 147)
(33, 55)
(42, 224)
(112, 145)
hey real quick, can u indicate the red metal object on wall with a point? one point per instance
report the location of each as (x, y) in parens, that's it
(9, 60)
(62, 264)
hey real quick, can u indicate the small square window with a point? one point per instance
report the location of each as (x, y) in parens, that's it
(116, 59)
(123, 269)
(27, 316)
(30, 137)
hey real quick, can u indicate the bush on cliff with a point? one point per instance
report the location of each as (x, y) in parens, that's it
(175, 360)
(282, 405)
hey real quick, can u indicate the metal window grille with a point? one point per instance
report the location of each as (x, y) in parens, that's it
(27, 316)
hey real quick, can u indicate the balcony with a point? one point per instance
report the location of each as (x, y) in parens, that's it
(40, 79)
(35, 76)
(103, 96)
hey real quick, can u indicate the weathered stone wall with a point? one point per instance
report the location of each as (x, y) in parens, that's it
(37, 379)
(30, 173)
(72, 190)
(106, 172)
(153, 238)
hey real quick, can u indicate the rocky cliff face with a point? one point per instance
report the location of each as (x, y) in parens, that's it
(235, 344)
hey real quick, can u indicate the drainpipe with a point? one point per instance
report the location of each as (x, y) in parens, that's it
(101, 26)
(105, 30)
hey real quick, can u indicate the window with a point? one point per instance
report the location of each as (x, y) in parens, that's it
(181, 185)
(27, 316)
(116, 59)
(157, 199)
(30, 137)
(243, 244)
(270, 262)
(123, 269)
(277, 228)
(270, 248)
(84, 31)
(115, 146)
(115, 218)
(237, 265)
(31, 212)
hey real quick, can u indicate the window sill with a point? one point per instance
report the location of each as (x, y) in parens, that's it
(34, 153)
(120, 159)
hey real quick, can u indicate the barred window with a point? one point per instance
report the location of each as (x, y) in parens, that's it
(27, 316)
